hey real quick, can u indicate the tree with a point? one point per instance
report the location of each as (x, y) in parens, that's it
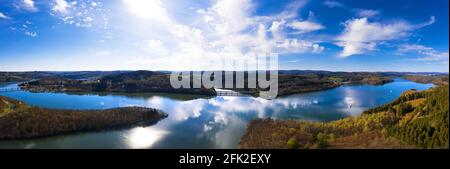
(292, 143)
(321, 140)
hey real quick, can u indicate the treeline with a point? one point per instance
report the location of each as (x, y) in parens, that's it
(435, 79)
(416, 119)
(150, 81)
(26, 76)
(31, 122)
(291, 84)
(136, 81)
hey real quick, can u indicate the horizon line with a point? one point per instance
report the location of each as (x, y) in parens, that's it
(118, 70)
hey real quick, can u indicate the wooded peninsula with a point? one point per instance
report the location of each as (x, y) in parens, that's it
(18, 120)
(414, 120)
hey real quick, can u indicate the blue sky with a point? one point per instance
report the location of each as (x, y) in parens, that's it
(336, 35)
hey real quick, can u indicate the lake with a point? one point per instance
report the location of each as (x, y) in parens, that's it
(195, 122)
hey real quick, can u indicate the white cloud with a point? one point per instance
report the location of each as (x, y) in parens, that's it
(361, 36)
(155, 47)
(291, 10)
(28, 5)
(230, 16)
(366, 13)
(434, 56)
(413, 47)
(3, 16)
(149, 9)
(61, 6)
(298, 46)
(333, 4)
(227, 28)
(233, 20)
(305, 26)
(26, 27)
(430, 22)
(428, 53)
(31, 33)
(294, 61)
(276, 28)
(86, 13)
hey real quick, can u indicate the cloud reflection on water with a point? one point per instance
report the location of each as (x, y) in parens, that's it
(144, 137)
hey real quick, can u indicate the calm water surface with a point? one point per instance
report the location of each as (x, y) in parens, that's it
(194, 122)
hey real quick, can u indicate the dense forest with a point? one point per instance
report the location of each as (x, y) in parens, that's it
(19, 120)
(414, 120)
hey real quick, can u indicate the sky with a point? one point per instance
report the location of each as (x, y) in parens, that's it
(334, 35)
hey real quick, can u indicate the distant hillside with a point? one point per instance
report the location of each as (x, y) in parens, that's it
(435, 79)
(290, 82)
(414, 120)
(136, 81)
(25, 76)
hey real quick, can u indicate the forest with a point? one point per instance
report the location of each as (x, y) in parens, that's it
(417, 119)
(19, 120)
(435, 79)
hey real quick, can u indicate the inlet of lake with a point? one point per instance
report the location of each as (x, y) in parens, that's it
(195, 122)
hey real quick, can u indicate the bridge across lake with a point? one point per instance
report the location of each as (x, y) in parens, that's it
(226, 92)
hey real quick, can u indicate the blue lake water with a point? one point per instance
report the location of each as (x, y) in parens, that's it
(217, 122)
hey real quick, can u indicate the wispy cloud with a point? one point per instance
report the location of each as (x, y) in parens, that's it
(359, 12)
(367, 13)
(31, 33)
(413, 47)
(428, 53)
(305, 26)
(360, 35)
(26, 28)
(86, 13)
(430, 22)
(294, 61)
(28, 5)
(3, 16)
(333, 4)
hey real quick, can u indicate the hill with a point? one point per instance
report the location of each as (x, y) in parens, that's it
(290, 82)
(414, 120)
(136, 81)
